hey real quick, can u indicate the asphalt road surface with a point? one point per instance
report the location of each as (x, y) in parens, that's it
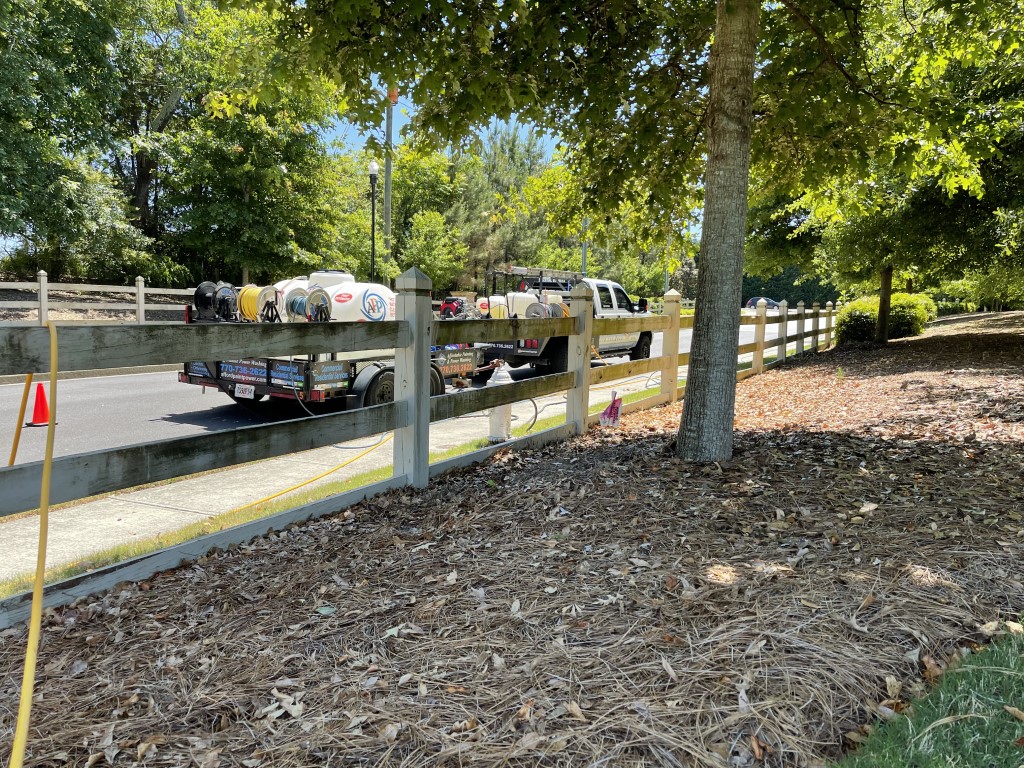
(113, 411)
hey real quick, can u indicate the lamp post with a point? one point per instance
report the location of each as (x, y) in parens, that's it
(374, 170)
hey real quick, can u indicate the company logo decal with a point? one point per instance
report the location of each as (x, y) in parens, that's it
(374, 307)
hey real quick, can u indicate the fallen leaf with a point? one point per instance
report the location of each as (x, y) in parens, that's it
(530, 741)
(932, 670)
(465, 725)
(525, 711)
(389, 732)
(574, 711)
(893, 687)
(1015, 712)
(755, 746)
(668, 670)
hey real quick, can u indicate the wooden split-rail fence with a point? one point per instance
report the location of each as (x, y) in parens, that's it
(100, 346)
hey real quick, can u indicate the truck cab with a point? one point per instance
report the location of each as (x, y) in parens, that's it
(545, 293)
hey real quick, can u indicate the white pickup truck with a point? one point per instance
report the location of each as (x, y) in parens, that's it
(545, 293)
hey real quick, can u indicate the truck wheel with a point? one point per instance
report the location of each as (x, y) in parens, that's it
(381, 389)
(559, 355)
(642, 350)
(436, 382)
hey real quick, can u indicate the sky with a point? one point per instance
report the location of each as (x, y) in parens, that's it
(349, 135)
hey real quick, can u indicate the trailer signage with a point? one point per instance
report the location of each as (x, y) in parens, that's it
(285, 373)
(328, 374)
(246, 371)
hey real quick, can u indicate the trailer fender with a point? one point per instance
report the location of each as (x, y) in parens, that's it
(362, 382)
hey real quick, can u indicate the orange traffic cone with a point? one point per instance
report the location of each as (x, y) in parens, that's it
(41, 410)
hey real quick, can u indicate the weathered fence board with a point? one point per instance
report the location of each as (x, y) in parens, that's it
(624, 370)
(453, 405)
(89, 474)
(470, 331)
(121, 346)
(611, 325)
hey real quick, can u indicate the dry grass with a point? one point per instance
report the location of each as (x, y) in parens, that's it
(596, 603)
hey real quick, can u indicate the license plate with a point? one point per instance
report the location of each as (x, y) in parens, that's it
(245, 390)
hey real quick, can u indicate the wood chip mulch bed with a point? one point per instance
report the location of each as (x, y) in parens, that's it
(596, 603)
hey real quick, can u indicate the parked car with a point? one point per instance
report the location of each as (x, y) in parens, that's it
(752, 302)
(451, 306)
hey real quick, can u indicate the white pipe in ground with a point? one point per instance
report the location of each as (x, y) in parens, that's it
(500, 421)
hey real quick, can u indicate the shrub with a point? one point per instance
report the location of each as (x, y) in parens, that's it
(856, 321)
(908, 313)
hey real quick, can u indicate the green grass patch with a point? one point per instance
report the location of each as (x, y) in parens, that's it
(962, 722)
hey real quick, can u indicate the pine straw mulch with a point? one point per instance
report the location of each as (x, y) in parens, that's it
(596, 603)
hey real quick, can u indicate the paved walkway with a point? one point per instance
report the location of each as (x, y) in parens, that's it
(79, 530)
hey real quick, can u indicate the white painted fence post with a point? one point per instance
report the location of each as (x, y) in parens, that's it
(577, 406)
(44, 299)
(783, 331)
(140, 299)
(670, 347)
(762, 316)
(815, 324)
(801, 313)
(412, 378)
(828, 325)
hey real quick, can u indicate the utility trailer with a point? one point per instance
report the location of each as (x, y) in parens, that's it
(354, 379)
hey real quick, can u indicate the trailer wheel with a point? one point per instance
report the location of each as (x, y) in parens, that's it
(381, 389)
(642, 350)
(436, 382)
(559, 355)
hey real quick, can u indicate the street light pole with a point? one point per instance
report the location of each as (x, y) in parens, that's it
(374, 170)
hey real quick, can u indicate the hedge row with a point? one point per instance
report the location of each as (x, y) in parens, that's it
(908, 314)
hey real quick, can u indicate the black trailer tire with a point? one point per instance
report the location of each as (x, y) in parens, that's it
(382, 389)
(642, 350)
(559, 355)
(447, 314)
(436, 382)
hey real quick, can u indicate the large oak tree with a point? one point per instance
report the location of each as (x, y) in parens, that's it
(665, 91)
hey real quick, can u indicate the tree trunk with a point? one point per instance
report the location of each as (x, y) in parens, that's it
(705, 433)
(884, 302)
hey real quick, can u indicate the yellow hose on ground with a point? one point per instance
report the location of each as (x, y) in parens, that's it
(21, 419)
(28, 679)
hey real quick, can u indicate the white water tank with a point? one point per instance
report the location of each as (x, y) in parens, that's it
(328, 278)
(354, 302)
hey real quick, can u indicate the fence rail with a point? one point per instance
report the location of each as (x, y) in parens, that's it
(26, 350)
(135, 311)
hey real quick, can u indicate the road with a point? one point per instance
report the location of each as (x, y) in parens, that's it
(113, 411)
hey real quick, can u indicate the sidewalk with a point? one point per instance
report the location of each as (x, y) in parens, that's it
(78, 531)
